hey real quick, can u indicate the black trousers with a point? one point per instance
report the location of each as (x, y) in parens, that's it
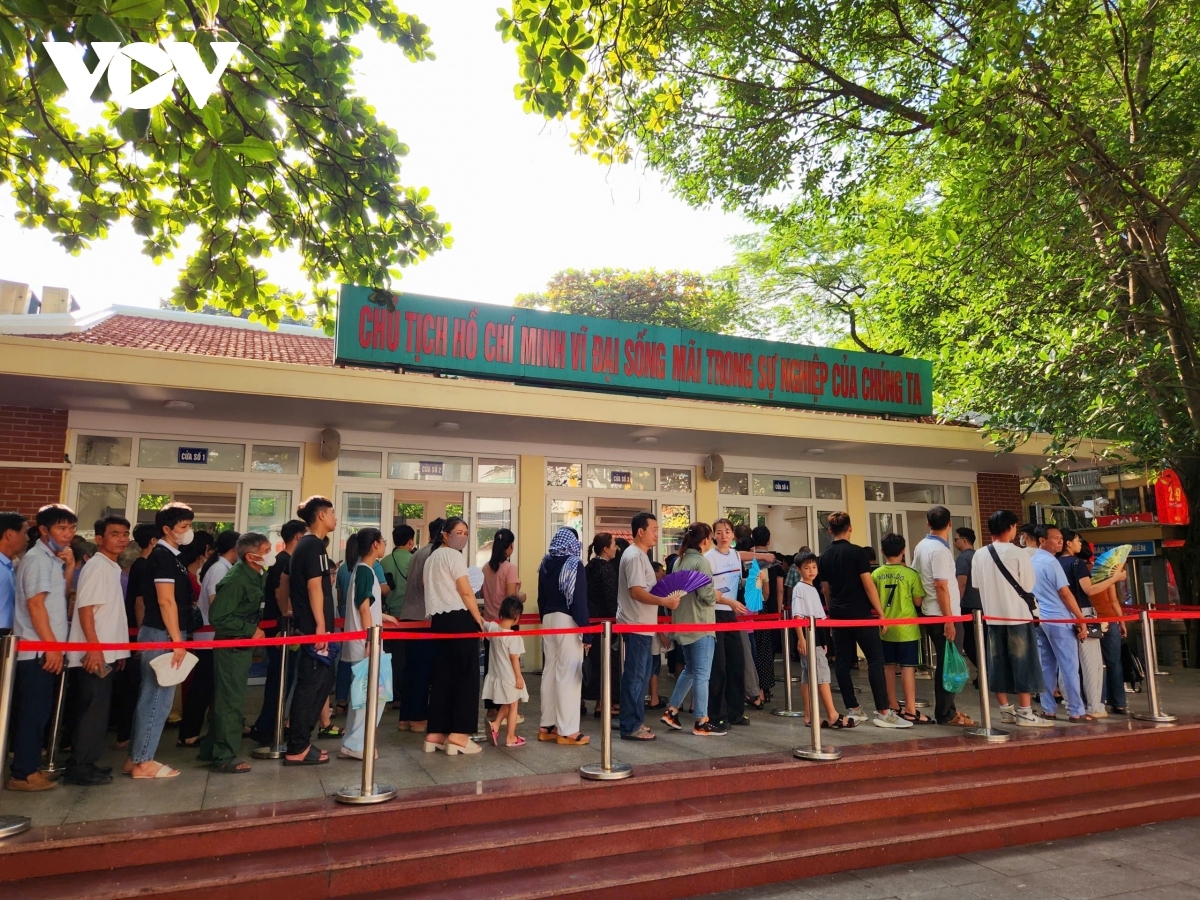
(34, 696)
(970, 651)
(594, 662)
(199, 696)
(314, 681)
(126, 684)
(454, 680)
(93, 697)
(727, 681)
(943, 701)
(396, 649)
(845, 640)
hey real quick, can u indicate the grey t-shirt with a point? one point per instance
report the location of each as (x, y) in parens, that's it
(414, 590)
(636, 571)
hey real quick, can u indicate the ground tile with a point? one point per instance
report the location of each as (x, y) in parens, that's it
(1169, 863)
(1165, 892)
(1012, 861)
(1100, 879)
(956, 870)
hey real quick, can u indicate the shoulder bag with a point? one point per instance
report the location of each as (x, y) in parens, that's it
(1030, 600)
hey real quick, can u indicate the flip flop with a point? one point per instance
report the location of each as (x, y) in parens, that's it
(333, 731)
(519, 742)
(962, 720)
(163, 771)
(494, 734)
(839, 722)
(311, 758)
(232, 767)
(577, 741)
(642, 734)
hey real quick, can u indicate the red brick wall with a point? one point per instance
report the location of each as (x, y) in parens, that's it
(997, 490)
(28, 434)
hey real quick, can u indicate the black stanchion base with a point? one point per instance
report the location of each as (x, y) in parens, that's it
(380, 793)
(596, 772)
(12, 825)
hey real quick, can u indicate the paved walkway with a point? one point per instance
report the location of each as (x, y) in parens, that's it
(1153, 862)
(403, 764)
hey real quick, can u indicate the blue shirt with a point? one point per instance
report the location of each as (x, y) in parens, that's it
(1050, 578)
(8, 592)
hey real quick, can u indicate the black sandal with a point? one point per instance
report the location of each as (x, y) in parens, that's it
(232, 767)
(757, 704)
(917, 718)
(311, 758)
(840, 722)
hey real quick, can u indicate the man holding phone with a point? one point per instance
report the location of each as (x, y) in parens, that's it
(99, 618)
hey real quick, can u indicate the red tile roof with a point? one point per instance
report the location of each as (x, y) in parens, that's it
(144, 333)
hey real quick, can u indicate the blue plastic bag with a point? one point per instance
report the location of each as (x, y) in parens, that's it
(954, 669)
(754, 594)
(358, 687)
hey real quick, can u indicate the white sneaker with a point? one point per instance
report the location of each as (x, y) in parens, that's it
(1028, 719)
(856, 715)
(1008, 715)
(891, 720)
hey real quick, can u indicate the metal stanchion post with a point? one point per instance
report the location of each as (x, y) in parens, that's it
(51, 769)
(278, 747)
(987, 732)
(369, 791)
(9, 825)
(607, 770)
(1155, 714)
(816, 752)
(787, 677)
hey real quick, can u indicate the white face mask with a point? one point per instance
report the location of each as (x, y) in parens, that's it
(268, 559)
(185, 538)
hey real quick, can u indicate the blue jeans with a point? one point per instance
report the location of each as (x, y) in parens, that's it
(635, 681)
(1114, 675)
(697, 669)
(1058, 647)
(154, 701)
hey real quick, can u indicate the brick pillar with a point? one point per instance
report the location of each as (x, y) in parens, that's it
(997, 490)
(28, 434)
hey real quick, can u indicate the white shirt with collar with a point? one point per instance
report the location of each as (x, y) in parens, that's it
(99, 587)
(208, 587)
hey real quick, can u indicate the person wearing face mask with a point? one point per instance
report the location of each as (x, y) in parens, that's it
(453, 609)
(233, 613)
(40, 615)
(168, 593)
(12, 543)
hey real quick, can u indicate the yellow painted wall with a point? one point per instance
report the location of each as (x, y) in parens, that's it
(318, 474)
(706, 498)
(532, 541)
(855, 503)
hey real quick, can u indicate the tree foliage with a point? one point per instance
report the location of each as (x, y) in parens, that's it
(675, 299)
(1006, 188)
(284, 155)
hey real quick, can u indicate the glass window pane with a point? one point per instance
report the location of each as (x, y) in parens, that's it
(829, 489)
(919, 493)
(782, 486)
(738, 515)
(275, 460)
(95, 501)
(428, 467)
(491, 514)
(620, 478)
(191, 455)
(268, 511)
(673, 520)
(958, 495)
(358, 511)
(824, 538)
(566, 514)
(360, 463)
(497, 471)
(878, 491)
(735, 484)
(560, 474)
(100, 450)
(883, 524)
(676, 481)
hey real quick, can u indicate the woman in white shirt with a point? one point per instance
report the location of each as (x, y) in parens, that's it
(364, 609)
(452, 609)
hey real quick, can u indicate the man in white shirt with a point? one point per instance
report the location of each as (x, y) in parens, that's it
(1013, 665)
(99, 618)
(934, 562)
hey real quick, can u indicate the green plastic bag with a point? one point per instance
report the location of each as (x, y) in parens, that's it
(954, 670)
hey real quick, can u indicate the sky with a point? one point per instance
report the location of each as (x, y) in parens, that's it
(522, 204)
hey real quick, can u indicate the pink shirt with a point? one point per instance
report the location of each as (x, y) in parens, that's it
(495, 588)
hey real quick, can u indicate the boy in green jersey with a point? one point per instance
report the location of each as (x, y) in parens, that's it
(900, 592)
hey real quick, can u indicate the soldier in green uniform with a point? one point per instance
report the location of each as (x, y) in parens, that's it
(234, 613)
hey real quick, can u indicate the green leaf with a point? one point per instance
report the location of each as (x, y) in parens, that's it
(255, 149)
(103, 28)
(137, 10)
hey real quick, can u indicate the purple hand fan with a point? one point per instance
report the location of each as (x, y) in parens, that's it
(680, 583)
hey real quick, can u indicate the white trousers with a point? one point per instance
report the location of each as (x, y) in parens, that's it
(562, 675)
(1091, 662)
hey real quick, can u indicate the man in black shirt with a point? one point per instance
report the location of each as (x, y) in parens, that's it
(167, 597)
(311, 594)
(850, 594)
(276, 605)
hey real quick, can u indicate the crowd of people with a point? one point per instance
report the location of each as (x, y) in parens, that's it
(173, 583)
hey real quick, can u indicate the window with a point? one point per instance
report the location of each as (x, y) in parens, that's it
(675, 481)
(566, 514)
(275, 460)
(673, 521)
(497, 471)
(568, 475)
(738, 515)
(491, 514)
(925, 494)
(783, 486)
(358, 511)
(620, 478)
(959, 495)
(428, 467)
(98, 450)
(95, 501)
(360, 463)
(878, 491)
(735, 484)
(824, 538)
(268, 511)
(193, 455)
(829, 488)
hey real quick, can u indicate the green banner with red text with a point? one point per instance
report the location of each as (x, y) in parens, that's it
(526, 346)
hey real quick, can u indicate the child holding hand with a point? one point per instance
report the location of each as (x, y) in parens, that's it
(504, 684)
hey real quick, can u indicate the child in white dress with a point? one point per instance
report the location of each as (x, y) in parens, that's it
(504, 684)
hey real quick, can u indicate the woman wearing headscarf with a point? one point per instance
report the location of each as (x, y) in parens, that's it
(562, 603)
